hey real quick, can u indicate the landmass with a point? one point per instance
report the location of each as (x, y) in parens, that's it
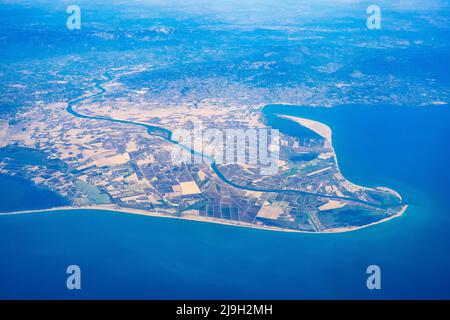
(102, 151)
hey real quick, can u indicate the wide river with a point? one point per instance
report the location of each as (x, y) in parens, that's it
(130, 256)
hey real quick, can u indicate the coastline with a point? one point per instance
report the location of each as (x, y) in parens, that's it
(114, 208)
(325, 131)
(316, 126)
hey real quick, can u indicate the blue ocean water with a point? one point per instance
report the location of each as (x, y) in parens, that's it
(18, 194)
(130, 256)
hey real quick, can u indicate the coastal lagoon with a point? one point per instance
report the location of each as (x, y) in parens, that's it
(130, 256)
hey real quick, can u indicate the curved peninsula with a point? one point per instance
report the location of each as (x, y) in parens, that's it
(117, 157)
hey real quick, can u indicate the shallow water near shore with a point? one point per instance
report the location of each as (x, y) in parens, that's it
(129, 256)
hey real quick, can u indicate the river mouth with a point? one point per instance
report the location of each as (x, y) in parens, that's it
(383, 145)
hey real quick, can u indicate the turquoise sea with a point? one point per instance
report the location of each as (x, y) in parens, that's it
(130, 256)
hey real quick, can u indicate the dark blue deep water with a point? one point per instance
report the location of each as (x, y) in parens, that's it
(129, 256)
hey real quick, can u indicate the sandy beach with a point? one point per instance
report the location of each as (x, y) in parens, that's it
(321, 129)
(114, 208)
(325, 131)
